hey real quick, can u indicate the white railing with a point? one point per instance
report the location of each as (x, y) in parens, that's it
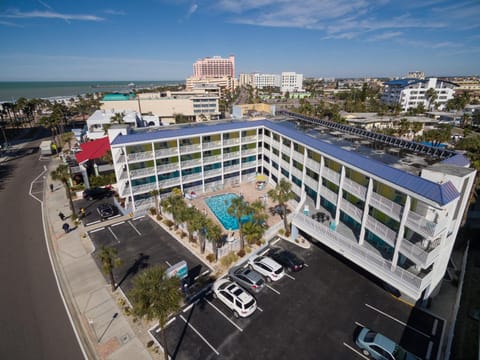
(419, 255)
(354, 188)
(189, 163)
(231, 155)
(143, 188)
(383, 231)
(311, 183)
(353, 211)
(211, 172)
(276, 144)
(123, 175)
(296, 189)
(285, 164)
(421, 225)
(386, 206)
(329, 195)
(168, 182)
(360, 255)
(331, 175)
(139, 156)
(210, 159)
(231, 141)
(297, 156)
(190, 177)
(297, 173)
(189, 148)
(231, 168)
(274, 157)
(252, 138)
(167, 167)
(121, 159)
(166, 152)
(142, 172)
(249, 152)
(211, 144)
(249, 164)
(312, 164)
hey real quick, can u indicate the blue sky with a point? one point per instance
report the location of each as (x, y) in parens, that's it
(161, 39)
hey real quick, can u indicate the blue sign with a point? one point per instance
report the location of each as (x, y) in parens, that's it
(179, 270)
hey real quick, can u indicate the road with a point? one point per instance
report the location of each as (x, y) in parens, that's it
(33, 320)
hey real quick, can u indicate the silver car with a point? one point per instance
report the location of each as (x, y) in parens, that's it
(247, 278)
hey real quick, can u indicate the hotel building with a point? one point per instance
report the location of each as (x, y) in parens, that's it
(386, 215)
(287, 81)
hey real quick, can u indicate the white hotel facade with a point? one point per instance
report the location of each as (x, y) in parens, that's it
(400, 227)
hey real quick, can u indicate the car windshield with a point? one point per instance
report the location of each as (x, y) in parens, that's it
(249, 304)
(370, 336)
(279, 270)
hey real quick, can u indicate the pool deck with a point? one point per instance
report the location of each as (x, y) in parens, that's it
(249, 193)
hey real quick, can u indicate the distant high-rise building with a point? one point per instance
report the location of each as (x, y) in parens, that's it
(287, 81)
(416, 75)
(291, 81)
(214, 67)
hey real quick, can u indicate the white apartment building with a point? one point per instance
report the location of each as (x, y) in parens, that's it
(287, 81)
(97, 121)
(409, 93)
(398, 225)
(291, 82)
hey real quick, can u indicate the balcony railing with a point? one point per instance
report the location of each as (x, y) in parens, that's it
(296, 189)
(423, 226)
(276, 144)
(382, 231)
(191, 177)
(285, 164)
(351, 210)
(329, 195)
(142, 172)
(311, 183)
(274, 157)
(231, 168)
(166, 152)
(362, 256)
(354, 188)
(140, 156)
(231, 155)
(212, 159)
(189, 148)
(167, 167)
(297, 173)
(121, 159)
(249, 139)
(231, 141)
(212, 172)
(249, 152)
(168, 182)
(331, 175)
(387, 206)
(190, 163)
(143, 188)
(297, 156)
(312, 164)
(211, 144)
(422, 256)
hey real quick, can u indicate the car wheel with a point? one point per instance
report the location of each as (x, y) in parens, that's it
(366, 352)
(235, 314)
(269, 279)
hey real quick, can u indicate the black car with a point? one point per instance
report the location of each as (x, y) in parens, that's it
(107, 210)
(287, 259)
(97, 193)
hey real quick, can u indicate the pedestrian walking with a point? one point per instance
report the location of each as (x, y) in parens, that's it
(66, 227)
(61, 216)
(82, 213)
(51, 187)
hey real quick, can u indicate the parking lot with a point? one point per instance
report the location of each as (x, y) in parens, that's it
(92, 216)
(142, 243)
(311, 314)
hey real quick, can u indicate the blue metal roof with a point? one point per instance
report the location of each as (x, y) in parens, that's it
(403, 82)
(439, 193)
(457, 160)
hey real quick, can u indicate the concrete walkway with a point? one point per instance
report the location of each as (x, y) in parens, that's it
(91, 303)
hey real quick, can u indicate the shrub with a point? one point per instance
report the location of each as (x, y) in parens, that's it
(153, 211)
(168, 222)
(150, 343)
(228, 259)
(241, 253)
(159, 217)
(211, 257)
(281, 232)
(183, 235)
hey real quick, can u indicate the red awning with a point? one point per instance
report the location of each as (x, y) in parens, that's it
(93, 150)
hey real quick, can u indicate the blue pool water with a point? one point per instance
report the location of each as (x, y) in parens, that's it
(219, 205)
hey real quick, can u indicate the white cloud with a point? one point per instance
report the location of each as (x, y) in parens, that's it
(385, 36)
(8, 23)
(49, 15)
(192, 10)
(114, 12)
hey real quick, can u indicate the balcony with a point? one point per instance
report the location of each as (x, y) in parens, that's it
(192, 177)
(142, 172)
(231, 155)
(249, 139)
(121, 159)
(312, 164)
(212, 159)
(285, 165)
(169, 182)
(331, 175)
(386, 206)
(231, 168)
(249, 164)
(231, 141)
(249, 152)
(297, 156)
(189, 148)
(143, 188)
(351, 210)
(423, 255)
(329, 195)
(354, 188)
(166, 152)
(167, 167)
(274, 157)
(190, 163)
(212, 172)
(311, 183)
(297, 173)
(140, 156)
(296, 189)
(275, 144)
(381, 230)
(211, 144)
(406, 281)
(423, 226)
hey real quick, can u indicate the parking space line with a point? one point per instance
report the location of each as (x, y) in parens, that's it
(225, 316)
(114, 216)
(259, 308)
(202, 274)
(168, 263)
(119, 223)
(134, 228)
(429, 350)
(397, 320)
(138, 217)
(200, 335)
(99, 229)
(190, 306)
(264, 252)
(358, 324)
(113, 234)
(290, 276)
(168, 323)
(275, 241)
(306, 265)
(93, 223)
(355, 351)
(434, 328)
(274, 290)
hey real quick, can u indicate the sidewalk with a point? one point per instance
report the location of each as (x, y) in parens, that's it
(89, 297)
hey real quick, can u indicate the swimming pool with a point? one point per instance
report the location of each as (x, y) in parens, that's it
(219, 205)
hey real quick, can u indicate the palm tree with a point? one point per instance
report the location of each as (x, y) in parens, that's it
(62, 173)
(253, 231)
(430, 96)
(117, 118)
(257, 209)
(110, 260)
(175, 205)
(156, 195)
(281, 194)
(238, 208)
(155, 295)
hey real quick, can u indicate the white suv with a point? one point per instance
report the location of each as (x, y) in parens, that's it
(266, 266)
(241, 302)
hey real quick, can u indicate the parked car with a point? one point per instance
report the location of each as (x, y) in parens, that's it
(248, 278)
(380, 347)
(266, 266)
(234, 297)
(97, 193)
(107, 210)
(287, 259)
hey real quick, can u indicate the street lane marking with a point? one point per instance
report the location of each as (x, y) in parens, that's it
(397, 320)
(138, 217)
(96, 230)
(274, 290)
(134, 228)
(119, 223)
(225, 316)
(113, 234)
(355, 351)
(290, 276)
(200, 335)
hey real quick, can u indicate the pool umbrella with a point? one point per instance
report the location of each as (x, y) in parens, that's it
(261, 177)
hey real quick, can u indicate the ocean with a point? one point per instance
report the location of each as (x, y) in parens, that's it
(11, 91)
